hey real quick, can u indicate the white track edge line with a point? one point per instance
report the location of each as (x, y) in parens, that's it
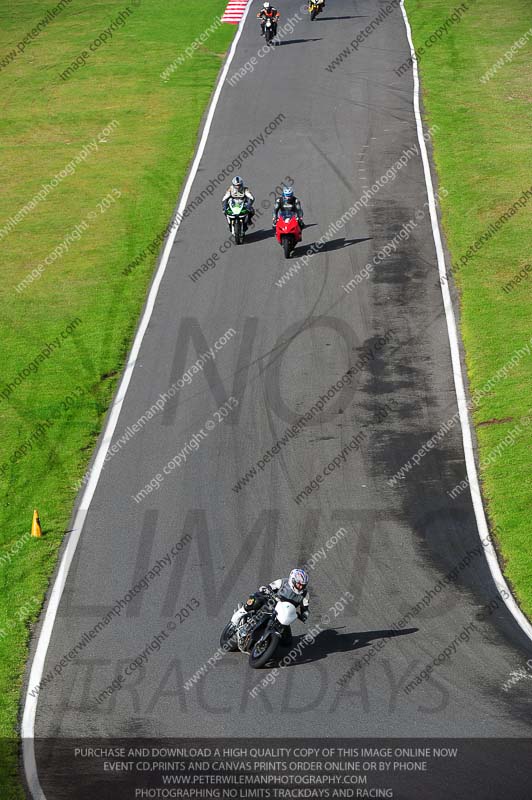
(37, 668)
(476, 497)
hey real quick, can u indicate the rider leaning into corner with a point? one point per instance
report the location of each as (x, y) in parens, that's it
(288, 202)
(268, 12)
(239, 190)
(292, 590)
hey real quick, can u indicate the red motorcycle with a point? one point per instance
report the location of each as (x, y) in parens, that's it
(287, 231)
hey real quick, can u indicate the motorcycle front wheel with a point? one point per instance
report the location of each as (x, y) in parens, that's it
(313, 14)
(262, 653)
(288, 246)
(228, 639)
(239, 232)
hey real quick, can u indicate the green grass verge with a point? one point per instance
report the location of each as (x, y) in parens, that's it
(483, 156)
(56, 411)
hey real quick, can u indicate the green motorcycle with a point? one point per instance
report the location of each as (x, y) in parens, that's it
(237, 215)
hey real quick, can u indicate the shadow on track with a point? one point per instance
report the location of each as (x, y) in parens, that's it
(297, 41)
(330, 641)
(334, 244)
(324, 19)
(258, 236)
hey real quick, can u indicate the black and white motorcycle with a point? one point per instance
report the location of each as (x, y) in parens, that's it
(258, 632)
(270, 29)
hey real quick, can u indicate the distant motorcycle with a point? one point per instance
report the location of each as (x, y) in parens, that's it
(258, 632)
(269, 30)
(287, 231)
(237, 214)
(314, 9)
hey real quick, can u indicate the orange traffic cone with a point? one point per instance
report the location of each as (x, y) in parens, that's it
(36, 529)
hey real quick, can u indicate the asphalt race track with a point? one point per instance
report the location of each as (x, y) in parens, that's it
(341, 131)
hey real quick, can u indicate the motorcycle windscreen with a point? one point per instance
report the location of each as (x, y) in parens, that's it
(286, 612)
(236, 206)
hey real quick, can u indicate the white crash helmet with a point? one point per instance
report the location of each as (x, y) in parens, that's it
(298, 580)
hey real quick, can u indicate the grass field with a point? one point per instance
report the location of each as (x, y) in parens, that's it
(73, 315)
(482, 103)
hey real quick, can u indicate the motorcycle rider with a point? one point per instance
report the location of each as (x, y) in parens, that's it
(291, 590)
(239, 190)
(288, 202)
(268, 12)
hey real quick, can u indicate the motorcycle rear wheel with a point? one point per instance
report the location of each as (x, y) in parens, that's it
(228, 639)
(256, 662)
